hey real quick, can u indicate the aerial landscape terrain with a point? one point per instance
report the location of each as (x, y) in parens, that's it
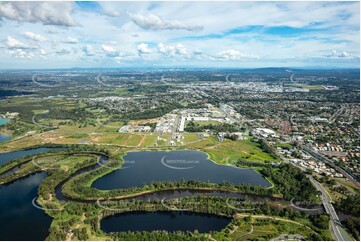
(135, 121)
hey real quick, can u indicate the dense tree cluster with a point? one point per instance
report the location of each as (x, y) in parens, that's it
(224, 127)
(267, 148)
(349, 205)
(158, 236)
(291, 182)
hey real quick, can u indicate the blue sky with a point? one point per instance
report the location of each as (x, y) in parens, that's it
(194, 34)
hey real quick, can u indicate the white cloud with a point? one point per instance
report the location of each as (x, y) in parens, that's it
(88, 50)
(172, 50)
(180, 49)
(154, 22)
(275, 31)
(13, 43)
(48, 13)
(21, 53)
(109, 49)
(34, 37)
(234, 55)
(71, 40)
(143, 49)
(344, 54)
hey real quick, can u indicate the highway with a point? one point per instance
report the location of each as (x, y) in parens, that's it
(330, 163)
(337, 230)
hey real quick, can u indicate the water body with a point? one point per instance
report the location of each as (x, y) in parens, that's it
(4, 121)
(4, 137)
(10, 156)
(19, 219)
(170, 221)
(146, 166)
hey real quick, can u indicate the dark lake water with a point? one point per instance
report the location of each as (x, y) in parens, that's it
(6, 157)
(169, 221)
(19, 219)
(146, 166)
(4, 137)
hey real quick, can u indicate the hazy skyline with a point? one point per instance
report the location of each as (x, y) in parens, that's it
(194, 34)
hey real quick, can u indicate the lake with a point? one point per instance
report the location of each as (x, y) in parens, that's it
(4, 137)
(19, 219)
(170, 221)
(4, 121)
(10, 156)
(146, 166)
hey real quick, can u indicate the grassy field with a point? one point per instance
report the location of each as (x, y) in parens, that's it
(227, 152)
(190, 137)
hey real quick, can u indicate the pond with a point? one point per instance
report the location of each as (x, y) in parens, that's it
(19, 219)
(152, 166)
(170, 221)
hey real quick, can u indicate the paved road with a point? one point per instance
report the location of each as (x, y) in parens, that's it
(320, 157)
(336, 229)
(338, 232)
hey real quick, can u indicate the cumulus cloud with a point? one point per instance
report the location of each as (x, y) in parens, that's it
(13, 43)
(34, 37)
(234, 55)
(171, 50)
(88, 50)
(344, 54)
(48, 13)
(154, 22)
(42, 53)
(143, 49)
(109, 49)
(334, 54)
(21, 53)
(70, 40)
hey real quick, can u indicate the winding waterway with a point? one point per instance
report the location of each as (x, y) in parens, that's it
(19, 219)
(17, 210)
